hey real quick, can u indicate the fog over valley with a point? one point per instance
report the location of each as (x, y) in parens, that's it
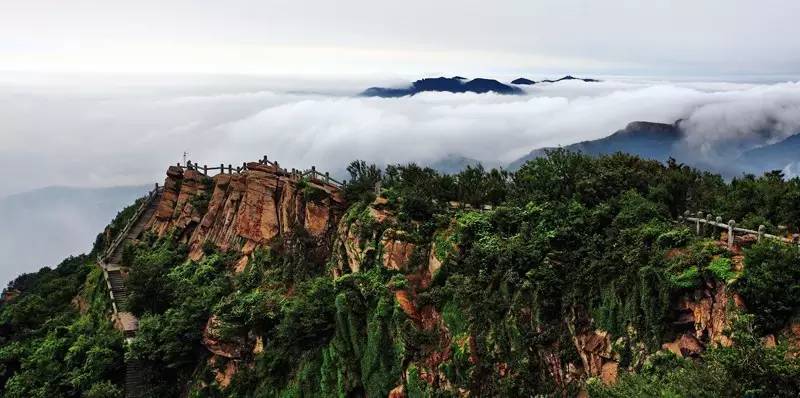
(114, 131)
(123, 130)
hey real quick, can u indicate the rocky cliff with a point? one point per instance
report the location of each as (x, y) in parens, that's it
(243, 211)
(264, 282)
(264, 207)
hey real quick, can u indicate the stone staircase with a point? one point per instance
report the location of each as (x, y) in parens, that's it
(135, 384)
(134, 232)
(118, 288)
(115, 280)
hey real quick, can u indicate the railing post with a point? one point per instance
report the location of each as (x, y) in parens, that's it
(708, 230)
(327, 177)
(205, 169)
(731, 224)
(719, 221)
(221, 168)
(265, 159)
(230, 169)
(761, 230)
(699, 218)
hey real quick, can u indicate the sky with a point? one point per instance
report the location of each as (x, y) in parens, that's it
(659, 37)
(108, 93)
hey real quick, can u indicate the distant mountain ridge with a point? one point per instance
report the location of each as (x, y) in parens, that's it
(528, 82)
(661, 141)
(777, 156)
(646, 139)
(455, 84)
(458, 84)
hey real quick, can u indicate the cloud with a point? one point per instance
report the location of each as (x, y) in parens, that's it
(112, 132)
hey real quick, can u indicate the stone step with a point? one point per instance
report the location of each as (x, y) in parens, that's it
(135, 386)
(118, 287)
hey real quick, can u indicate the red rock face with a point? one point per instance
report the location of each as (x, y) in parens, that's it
(243, 211)
(396, 252)
(594, 348)
(398, 392)
(258, 215)
(706, 314)
(172, 186)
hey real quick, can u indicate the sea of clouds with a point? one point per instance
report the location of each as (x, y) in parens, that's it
(124, 131)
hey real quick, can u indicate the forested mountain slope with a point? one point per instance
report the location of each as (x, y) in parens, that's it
(570, 276)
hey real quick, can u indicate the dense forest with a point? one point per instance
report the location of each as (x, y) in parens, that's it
(527, 264)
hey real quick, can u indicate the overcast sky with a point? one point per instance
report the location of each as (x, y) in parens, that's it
(656, 37)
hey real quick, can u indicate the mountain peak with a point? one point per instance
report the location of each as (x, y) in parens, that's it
(523, 80)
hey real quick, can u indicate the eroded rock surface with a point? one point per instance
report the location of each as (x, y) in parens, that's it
(245, 210)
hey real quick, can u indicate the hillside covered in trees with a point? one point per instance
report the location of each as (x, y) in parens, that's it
(571, 276)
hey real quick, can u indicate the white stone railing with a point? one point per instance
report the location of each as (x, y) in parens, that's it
(703, 221)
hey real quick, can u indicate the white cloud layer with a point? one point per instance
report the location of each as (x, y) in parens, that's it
(119, 131)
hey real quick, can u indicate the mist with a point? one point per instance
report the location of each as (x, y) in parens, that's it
(113, 131)
(121, 132)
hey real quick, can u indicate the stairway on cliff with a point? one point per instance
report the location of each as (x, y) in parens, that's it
(134, 233)
(134, 381)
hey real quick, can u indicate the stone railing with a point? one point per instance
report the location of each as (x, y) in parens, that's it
(704, 221)
(311, 173)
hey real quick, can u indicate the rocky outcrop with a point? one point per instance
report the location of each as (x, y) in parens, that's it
(224, 370)
(214, 344)
(703, 318)
(397, 252)
(398, 392)
(434, 264)
(262, 206)
(353, 249)
(594, 348)
(245, 210)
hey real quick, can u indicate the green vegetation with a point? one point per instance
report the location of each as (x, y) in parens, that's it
(748, 369)
(571, 244)
(56, 339)
(770, 284)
